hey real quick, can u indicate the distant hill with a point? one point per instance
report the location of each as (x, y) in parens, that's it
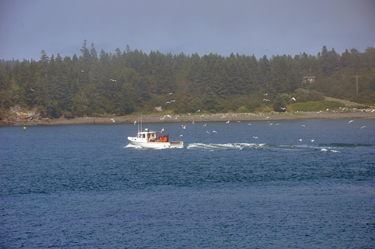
(132, 81)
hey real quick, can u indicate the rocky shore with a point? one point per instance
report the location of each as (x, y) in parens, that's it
(27, 119)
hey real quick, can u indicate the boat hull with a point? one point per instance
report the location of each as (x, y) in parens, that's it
(155, 145)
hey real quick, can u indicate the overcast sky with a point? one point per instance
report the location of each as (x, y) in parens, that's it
(264, 27)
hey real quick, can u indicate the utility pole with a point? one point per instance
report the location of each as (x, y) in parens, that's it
(356, 81)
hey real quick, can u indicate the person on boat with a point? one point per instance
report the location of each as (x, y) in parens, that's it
(165, 139)
(161, 138)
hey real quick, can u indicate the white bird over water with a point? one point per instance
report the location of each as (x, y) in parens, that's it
(135, 121)
(214, 131)
(112, 120)
(208, 132)
(227, 122)
(363, 127)
(350, 121)
(183, 126)
(205, 124)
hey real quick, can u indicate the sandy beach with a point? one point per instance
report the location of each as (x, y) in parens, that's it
(198, 117)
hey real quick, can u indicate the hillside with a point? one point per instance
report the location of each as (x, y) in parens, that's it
(129, 81)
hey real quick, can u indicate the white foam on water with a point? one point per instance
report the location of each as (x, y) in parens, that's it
(133, 146)
(238, 146)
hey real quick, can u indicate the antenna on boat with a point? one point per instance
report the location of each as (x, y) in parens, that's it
(138, 126)
(141, 121)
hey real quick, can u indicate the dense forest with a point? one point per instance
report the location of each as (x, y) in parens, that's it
(133, 81)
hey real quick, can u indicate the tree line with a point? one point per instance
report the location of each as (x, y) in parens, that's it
(132, 81)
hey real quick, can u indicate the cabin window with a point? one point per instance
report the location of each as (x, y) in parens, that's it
(144, 135)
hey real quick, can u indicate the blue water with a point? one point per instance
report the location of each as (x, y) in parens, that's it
(241, 187)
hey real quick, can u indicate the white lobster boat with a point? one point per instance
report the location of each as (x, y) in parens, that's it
(150, 140)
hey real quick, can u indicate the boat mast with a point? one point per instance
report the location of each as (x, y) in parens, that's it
(138, 127)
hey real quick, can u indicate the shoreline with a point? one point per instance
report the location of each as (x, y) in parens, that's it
(161, 118)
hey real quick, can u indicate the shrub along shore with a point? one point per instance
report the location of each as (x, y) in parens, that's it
(197, 117)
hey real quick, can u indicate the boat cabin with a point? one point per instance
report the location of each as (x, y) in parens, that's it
(151, 136)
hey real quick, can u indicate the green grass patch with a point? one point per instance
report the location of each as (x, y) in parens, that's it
(315, 106)
(264, 108)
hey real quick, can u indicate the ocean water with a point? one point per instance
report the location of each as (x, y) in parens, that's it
(279, 184)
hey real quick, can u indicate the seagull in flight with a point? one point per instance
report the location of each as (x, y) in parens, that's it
(363, 127)
(214, 131)
(112, 120)
(208, 132)
(227, 122)
(350, 121)
(205, 124)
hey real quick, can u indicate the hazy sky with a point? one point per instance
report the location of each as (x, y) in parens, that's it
(264, 27)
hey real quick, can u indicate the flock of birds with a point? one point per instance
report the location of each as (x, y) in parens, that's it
(351, 121)
(255, 137)
(282, 108)
(184, 126)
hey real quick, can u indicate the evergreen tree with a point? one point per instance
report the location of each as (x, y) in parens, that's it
(130, 81)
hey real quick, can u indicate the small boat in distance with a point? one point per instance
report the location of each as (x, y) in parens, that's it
(150, 140)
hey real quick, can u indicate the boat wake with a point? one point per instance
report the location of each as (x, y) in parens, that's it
(228, 146)
(334, 148)
(132, 146)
